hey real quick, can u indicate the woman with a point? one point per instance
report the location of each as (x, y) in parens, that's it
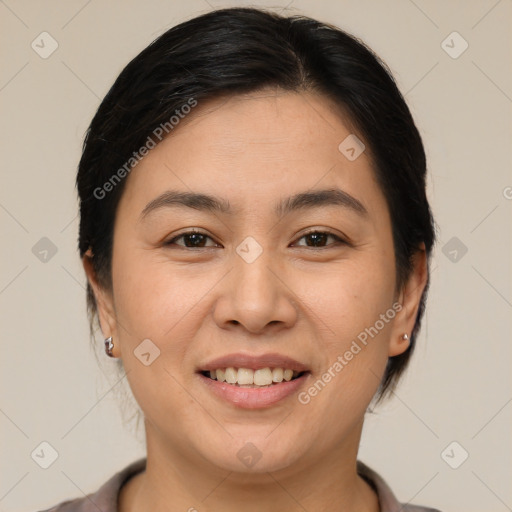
(256, 237)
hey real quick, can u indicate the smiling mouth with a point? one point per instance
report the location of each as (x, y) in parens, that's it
(248, 378)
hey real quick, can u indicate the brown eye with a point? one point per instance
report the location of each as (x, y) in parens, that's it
(192, 239)
(318, 238)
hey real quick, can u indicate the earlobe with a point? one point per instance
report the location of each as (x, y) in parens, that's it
(399, 345)
(104, 303)
(410, 299)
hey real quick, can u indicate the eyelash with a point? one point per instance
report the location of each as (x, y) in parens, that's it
(313, 231)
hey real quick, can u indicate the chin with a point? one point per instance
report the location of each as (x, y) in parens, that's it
(259, 453)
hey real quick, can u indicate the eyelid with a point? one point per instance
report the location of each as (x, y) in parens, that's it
(324, 231)
(190, 231)
(341, 239)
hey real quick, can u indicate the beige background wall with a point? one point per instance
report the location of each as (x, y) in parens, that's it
(458, 387)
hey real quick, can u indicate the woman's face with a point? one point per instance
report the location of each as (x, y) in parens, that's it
(255, 282)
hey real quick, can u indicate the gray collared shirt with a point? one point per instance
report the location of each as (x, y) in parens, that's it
(106, 497)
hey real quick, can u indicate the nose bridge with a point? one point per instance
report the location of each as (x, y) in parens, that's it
(255, 296)
(255, 286)
(254, 281)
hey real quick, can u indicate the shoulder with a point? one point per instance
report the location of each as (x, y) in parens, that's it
(106, 497)
(387, 500)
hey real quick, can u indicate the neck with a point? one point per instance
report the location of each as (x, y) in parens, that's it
(176, 481)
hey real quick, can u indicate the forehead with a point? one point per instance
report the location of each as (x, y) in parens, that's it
(256, 147)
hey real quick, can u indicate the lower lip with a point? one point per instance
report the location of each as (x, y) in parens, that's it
(254, 398)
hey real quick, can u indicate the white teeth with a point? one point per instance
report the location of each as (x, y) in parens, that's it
(253, 378)
(230, 375)
(245, 376)
(277, 375)
(263, 377)
(288, 374)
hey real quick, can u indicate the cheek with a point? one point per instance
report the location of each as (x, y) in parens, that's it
(353, 296)
(166, 303)
(355, 304)
(157, 304)
(151, 292)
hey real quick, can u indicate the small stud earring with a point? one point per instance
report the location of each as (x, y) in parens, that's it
(404, 336)
(109, 346)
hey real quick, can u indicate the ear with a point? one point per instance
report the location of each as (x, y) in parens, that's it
(409, 298)
(104, 301)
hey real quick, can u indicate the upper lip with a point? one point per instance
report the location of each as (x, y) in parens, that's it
(255, 362)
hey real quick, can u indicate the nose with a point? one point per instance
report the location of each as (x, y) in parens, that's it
(257, 296)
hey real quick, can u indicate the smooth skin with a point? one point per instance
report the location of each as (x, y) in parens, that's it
(307, 297)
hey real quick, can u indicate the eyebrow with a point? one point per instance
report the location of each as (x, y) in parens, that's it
(301, 201)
